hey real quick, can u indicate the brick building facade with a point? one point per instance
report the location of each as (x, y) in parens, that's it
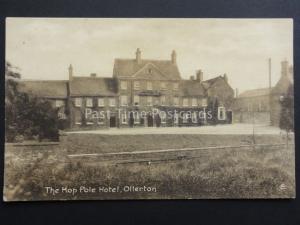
(141, 92)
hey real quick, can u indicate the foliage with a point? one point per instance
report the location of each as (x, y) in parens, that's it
(287, 111)
(26, 115)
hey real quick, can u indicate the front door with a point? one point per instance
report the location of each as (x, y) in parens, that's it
(112, 121)
(150, 121)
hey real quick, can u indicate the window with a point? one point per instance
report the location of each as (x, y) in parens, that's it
(249, 107)
(163, 117)
(185, 102)
(204, 102)
(176, 118)
(185, 118)
(100, 102)
(59, 103)
(194, 102)
(221, 113)
(78, 102)
(163, 100)
(175, 86)
(124, 118)
(136, 100)
(89, 102)
(194, 117)
(123, 100)
(149, 85)
(163, 85)
(149, 100)
(176, 101)
(136, 117)
(112, 102)
(123, 85)
(136, 85)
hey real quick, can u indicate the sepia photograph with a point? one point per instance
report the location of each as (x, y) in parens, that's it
(148, 108)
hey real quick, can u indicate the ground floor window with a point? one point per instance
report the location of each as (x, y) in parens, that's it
(221, 113)
(194, 117)
(124, 118)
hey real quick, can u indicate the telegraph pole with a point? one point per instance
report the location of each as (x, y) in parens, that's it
(270, 88)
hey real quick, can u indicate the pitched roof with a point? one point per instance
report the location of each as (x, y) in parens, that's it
(128, 67)
(208, 83)
(191, 88)
(93, 86)
(255, 93)
(44, 88)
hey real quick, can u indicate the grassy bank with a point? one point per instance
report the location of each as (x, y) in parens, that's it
(261, 173)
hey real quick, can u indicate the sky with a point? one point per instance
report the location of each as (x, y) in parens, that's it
(43, 48)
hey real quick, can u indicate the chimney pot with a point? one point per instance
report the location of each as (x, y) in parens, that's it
(70, 72)
(192, 78)
(138, 55)
(199, 75)
(173, 57)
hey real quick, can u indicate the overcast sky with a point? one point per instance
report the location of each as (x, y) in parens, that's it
(43, 48)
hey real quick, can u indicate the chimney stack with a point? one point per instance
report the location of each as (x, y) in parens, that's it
(138, 55)
(70, 72)
(192, 78)
(225, 77)
(199, 75)
(173, 57)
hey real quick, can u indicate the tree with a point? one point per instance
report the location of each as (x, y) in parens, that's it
(27, 115)
(286, 121)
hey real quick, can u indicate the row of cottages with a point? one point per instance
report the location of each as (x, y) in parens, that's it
(141, 92)
(263, 105)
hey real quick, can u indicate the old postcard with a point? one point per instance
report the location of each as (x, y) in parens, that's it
(148, 109)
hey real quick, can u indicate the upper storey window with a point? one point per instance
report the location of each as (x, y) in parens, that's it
(59, 103)
(149, 86)
(194, 102)
(78, 102)
(123, 85)
(175, 86)
(136, 85)
(163, 85)
(89, 102)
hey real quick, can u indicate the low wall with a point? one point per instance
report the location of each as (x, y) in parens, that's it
(101, 143)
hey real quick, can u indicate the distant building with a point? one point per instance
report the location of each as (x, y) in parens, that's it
(263, 105)
(137, 85)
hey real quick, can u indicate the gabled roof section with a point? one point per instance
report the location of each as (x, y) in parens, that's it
(191, 88)
(44, 88)
(126, 68)
(210, 82)
(93, 86)
(255, 93)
